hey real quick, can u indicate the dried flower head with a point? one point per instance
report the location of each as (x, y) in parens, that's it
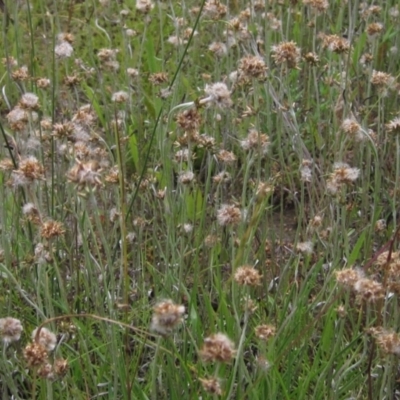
(10, 329)
(348, 277)
(46, 338)
(387, 341)
(226, 157)
(320, 6)
(311, 58)
(31, 212)
(219, 49)
(120, 97)
(252, 67)
(335, 43)
(374, 29)
(52, 229)
(63, 49)
(394, 125)
(229, 214)
(264, 332)
(189, 120)
(85, 173)
(369, 290)
(17, 118)
(60, 367)
(217, 348)
(144, 6)
(30, 169)
(342, 175)
(218, 95)
(214, 9)
(383, 81)
(247, 276)
(158, 78)
(29, 101)
(35, 354)
(305, 247)
(20, 74)
(166, 316)
(186, 177)
(286, 53)
(256, 140)
(211, 385)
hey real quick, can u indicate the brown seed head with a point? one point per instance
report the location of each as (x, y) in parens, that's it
(166, 316)
(52, 229)
(247, 276)
(10, 329)
(348, 277)
(35, 354)
(229, 215)
(217, 348)
(286, 52)
(211, 386)
(189, 120)
(264, 332)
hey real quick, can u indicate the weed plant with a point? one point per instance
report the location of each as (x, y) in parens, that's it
(199, 199)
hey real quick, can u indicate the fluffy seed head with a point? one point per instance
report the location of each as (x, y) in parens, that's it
(46, 339)
(229, 215)
(35, 354)
(247, 276)
(218, 95)
(10, 329)
(217, 348)
(286, 52)
(211, 385)
(264, 332)
(166, 316)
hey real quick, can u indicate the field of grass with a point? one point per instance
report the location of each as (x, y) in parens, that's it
(199, 199)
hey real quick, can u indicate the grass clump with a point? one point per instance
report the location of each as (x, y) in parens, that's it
(199, 199)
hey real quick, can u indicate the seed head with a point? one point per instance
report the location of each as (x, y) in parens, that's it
(286, 52)
(120, 97)
(387, 341)
(35, 354)
(256, 140)
(46, 339)
(226, 157)
(229, 215)
(348, 277)
(374, 29)
(218, 95)
(252, 67)
(217, 348)
(211, 385)
(52, 229)
(166, 316)
(394, 125)
(85, 173)
(10, 330)
(29, 101)
(63, 49)
(218, 48)
(185, 178)
(247, 276)
(189, 120)
(369, 289)
(144, 6)
(335, 43)
(60, 367)
(264, 332)
(320, 6)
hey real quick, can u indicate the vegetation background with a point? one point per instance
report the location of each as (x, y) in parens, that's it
(199, 199)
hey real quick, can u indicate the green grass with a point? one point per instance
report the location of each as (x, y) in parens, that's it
(134, 233)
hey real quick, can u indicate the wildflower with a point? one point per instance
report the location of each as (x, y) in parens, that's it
(342, 174)
(264, 332)
(218, 95)
(252, 67)
(63, 49)
(17, 118)
(218, 48)
(286, 52)
(335, 43)
(35, 354)
(256, 140)
(214, 9)
(166, 316)
(211, 385)
(45, 371)
(225, 156)
(85, 173)
(20, 74)
(387, 341)
(10, 329)
(369, 289)
(119, 97)
(52, 229)
(60, 367)
(247, 276)
(352, 128)
(217, 348)
(374, 29)
(158, 78)
(311, 58)
(305, 247)
(229, 215)
(29, 170)
(29, 101)
(383, 81)
(31, 212)
(144, 6)
(189, 120)
(320, 6)
(394, 125)
(46, 339)
(186, 177)
(348, 277)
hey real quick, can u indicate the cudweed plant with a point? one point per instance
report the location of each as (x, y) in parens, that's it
(199, 199)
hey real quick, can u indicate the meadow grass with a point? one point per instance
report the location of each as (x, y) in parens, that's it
(199, 199)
